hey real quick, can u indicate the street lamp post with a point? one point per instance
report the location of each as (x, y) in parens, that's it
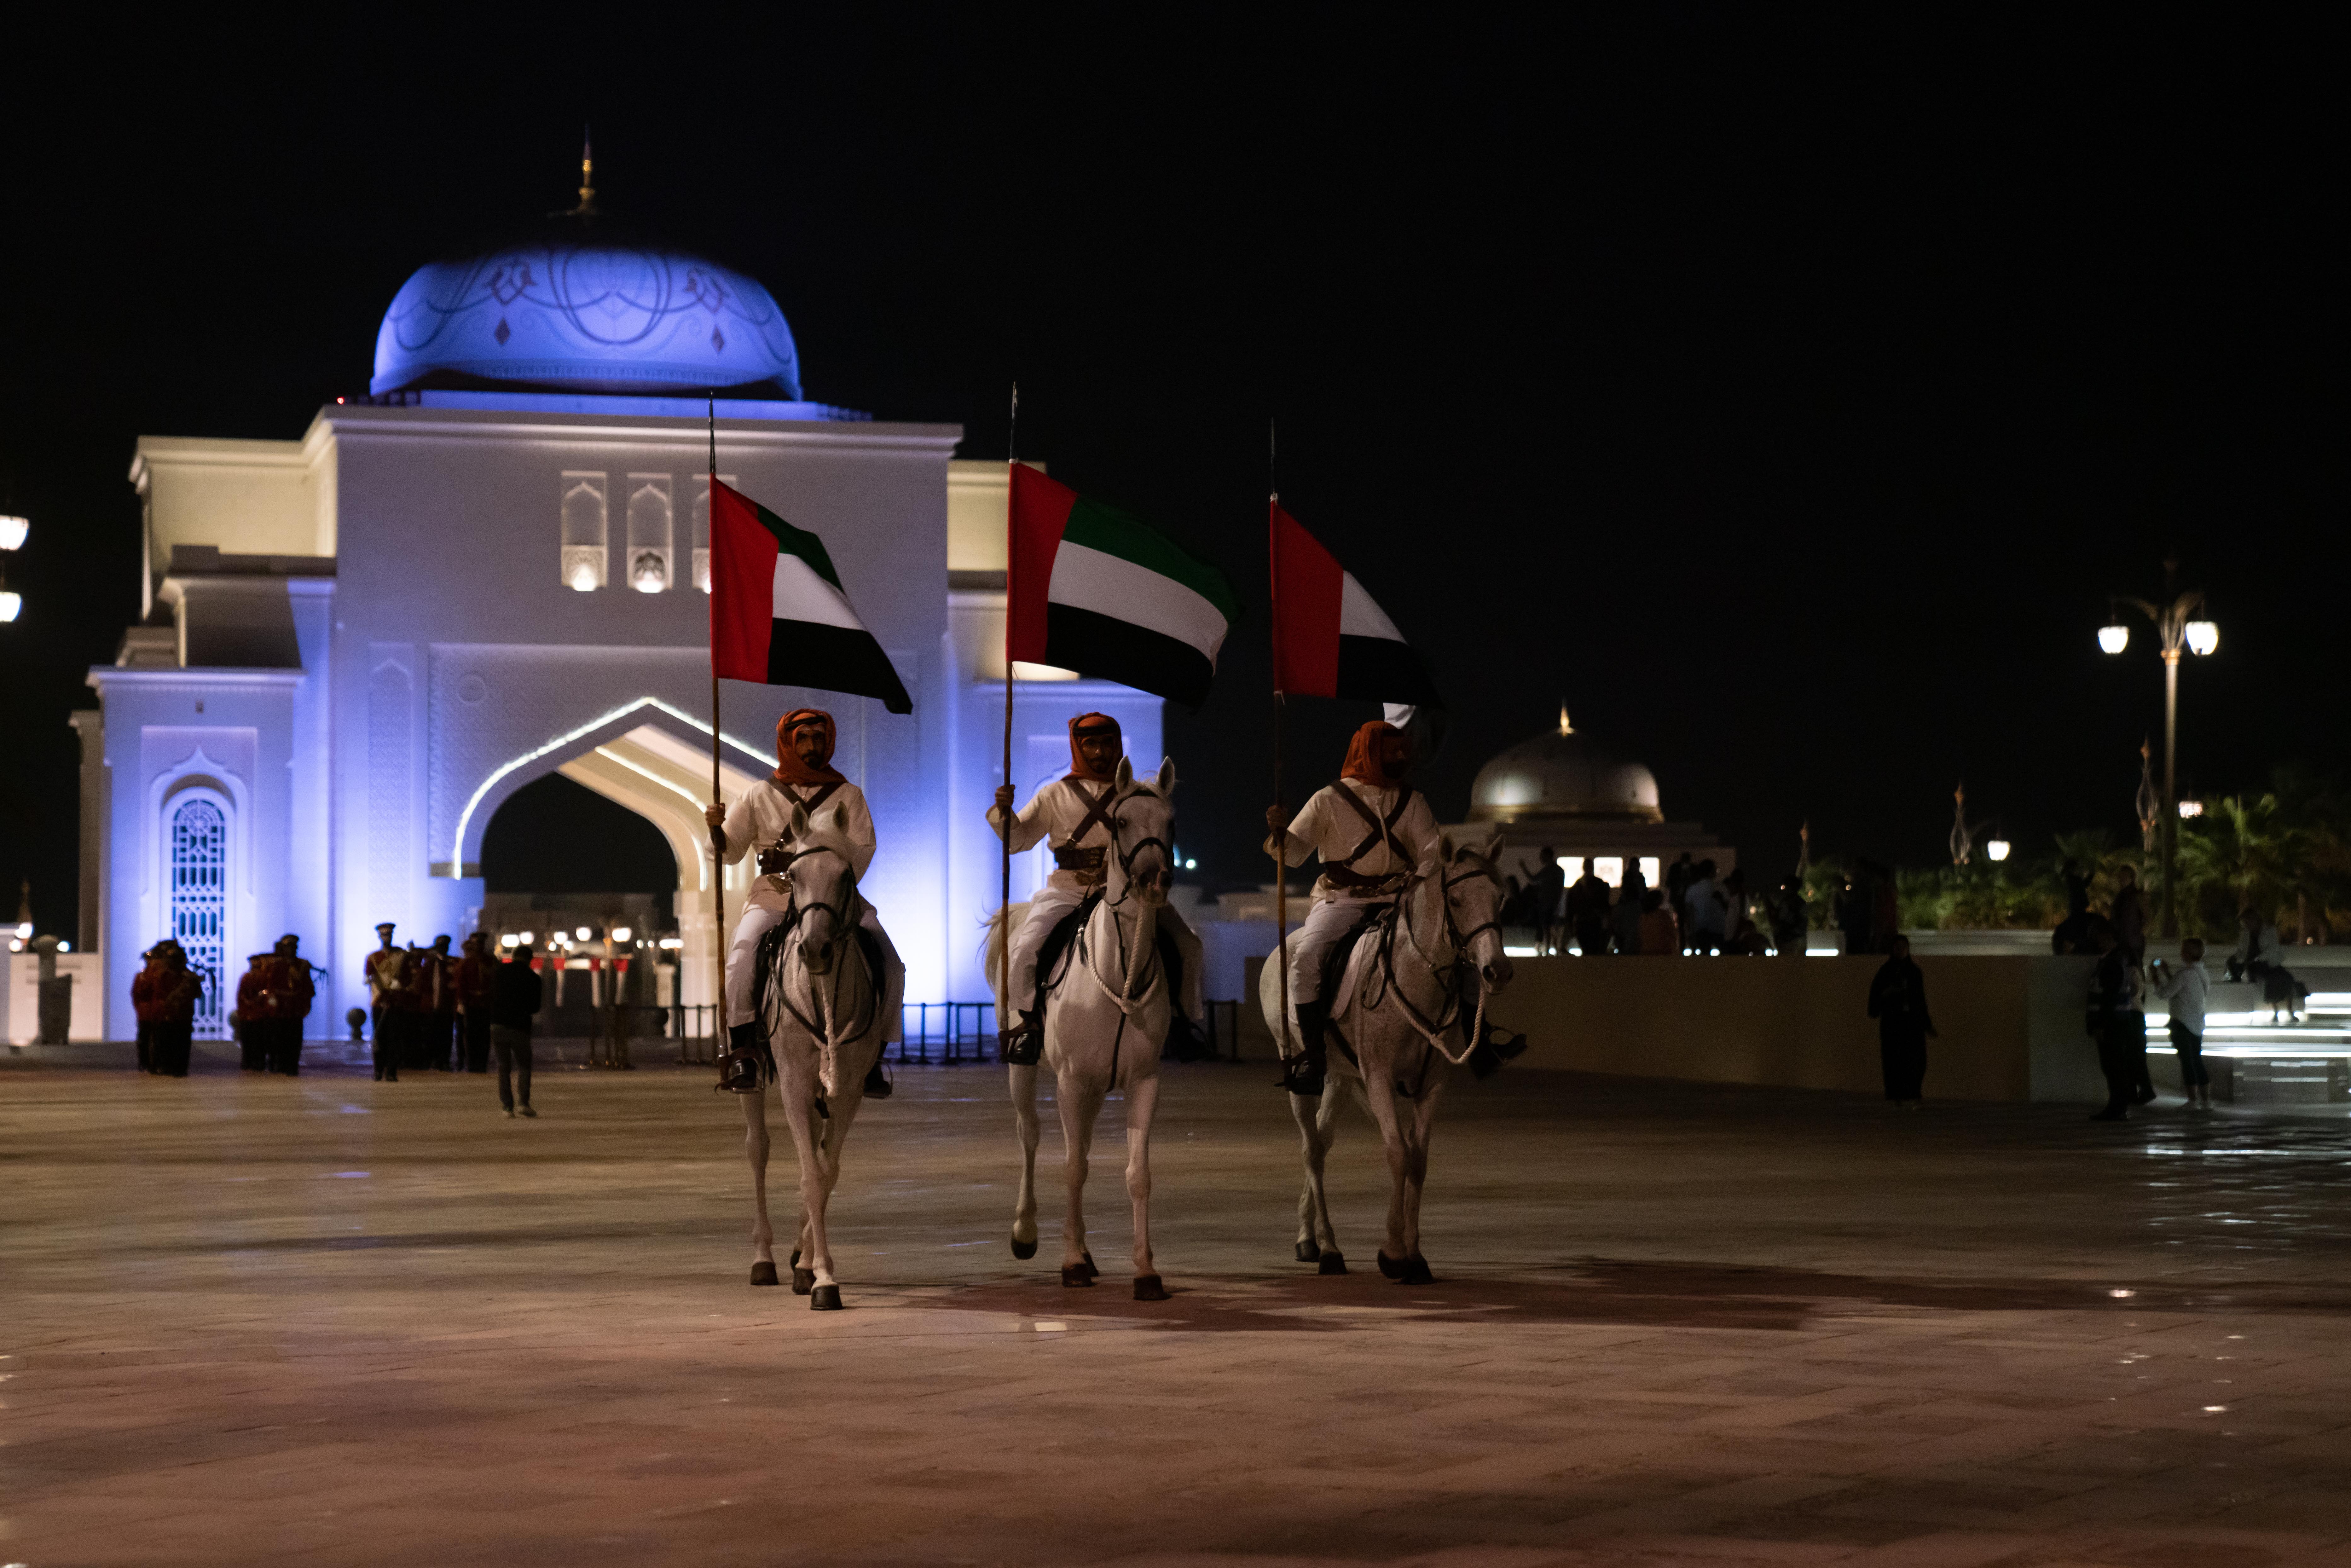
(2177, 629)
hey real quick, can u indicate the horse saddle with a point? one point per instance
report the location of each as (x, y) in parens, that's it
(1184, 1038)
(1336, 993)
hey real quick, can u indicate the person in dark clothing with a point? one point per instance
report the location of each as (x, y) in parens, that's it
(1789, 916)
(1898, 1000)
(1550, 883)
(2118, 1021)
(1587, 912)
(475, 982)
(514, 1001)
(1624, 919)
(2128, 916)
(163, 996)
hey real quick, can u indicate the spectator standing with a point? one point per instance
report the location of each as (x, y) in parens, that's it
(1708, 908)
(444, 1025)
(515, 1000)
(1660, 932)
(2261, 957)
(2117, 1021)
(2072, 933)
(1898, 1000)
(1625, 918)
(1587, 912)
(1790, 920)
(476, 987)
(1550, 889)
(1850, 908)
(163, 996)
(251, 1022)
(2185, 988)
(1678, 876)
(2128, 913)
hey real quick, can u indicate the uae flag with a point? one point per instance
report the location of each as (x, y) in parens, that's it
(777, 615)
(1093, 590)
(1329, 639)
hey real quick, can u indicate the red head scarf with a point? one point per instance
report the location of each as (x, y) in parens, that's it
(789, 768)
(1089, 725)
(1364, 760)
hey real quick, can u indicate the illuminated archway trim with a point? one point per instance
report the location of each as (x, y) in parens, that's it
(455, 864)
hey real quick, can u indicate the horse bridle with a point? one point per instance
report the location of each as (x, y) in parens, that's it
(1453, 1009)
(1126, 858)
(795, 912)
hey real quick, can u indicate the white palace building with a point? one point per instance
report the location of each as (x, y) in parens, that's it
(357, 645)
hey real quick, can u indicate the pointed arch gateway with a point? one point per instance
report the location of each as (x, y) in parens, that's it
(652, 763)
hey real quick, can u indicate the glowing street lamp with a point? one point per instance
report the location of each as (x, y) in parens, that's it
(1997, 849)
(2175, 634)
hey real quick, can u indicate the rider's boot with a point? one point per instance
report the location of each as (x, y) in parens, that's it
(1025, 1041)
(1304, 1074)
(877, 1083)
(739, 1069)
(1486, 1057)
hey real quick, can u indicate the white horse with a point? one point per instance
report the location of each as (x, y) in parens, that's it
(819, 1001)
(1104, 1029)
(1404, 1009)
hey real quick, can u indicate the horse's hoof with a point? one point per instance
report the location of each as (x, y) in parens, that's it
(1416, 1271)
(825, 1299)
(1147, 1288)
(764, 1273)
(1392, 1268)
(1075, 1275)
(1092, 1273)
(1023, 1248)
(1308, 1251)
(1333, 1263)
(803, 1281)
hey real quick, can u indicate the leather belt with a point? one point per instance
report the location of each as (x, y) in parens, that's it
(1085, 862)
(1349, 877)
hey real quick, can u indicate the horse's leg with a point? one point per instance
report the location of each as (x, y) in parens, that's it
(1024, 1121)
(755, 1146)
(815, 1259)
(1077, 1108)
(1379, 1097)
(1317, 1241)
(1424, 1120)
(831, 1137)
(1142, 1099)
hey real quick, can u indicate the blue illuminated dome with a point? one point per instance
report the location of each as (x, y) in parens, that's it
(585, 318)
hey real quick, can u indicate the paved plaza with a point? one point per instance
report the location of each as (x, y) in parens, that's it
(323, 1320)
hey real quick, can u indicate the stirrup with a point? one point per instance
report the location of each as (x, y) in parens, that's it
(1024, 1044)
(1302, 1075)
(738, 1072)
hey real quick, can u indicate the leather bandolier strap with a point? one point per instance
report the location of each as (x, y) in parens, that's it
(1087, 863)
(1343, 871)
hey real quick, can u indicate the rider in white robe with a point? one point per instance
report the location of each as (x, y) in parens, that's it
(761, 819)
(1071, 814)
(1372, 830)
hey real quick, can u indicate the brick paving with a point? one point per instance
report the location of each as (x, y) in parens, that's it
(328, 1321)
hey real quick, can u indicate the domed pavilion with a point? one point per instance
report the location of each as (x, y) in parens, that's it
(1572, 793)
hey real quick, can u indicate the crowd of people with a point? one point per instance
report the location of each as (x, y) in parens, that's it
(1697, 909)
(431, 1010)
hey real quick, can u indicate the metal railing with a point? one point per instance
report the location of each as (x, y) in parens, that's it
(945, 1033)
(957, 1031)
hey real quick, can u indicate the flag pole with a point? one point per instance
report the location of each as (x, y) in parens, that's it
(1281, 844)
(718, 854)
(1004, 903)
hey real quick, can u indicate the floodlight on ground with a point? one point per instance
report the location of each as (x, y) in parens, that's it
(1997, 849)
(508, 940)
(621, 934)
(25, 929)
(527, 939)
(65, 947)
(581, 934)
(9, 604)
(2114, 637)
(2203, 636)
(14, 946)
(13, 531)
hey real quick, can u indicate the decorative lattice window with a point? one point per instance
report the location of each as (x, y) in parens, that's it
(200, 904)
(585, 518)
(650, 524)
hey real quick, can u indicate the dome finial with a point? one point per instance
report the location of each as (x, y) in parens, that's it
(1565, 728)
(587, 207)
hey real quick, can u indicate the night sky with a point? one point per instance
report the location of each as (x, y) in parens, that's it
(1787, 395)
